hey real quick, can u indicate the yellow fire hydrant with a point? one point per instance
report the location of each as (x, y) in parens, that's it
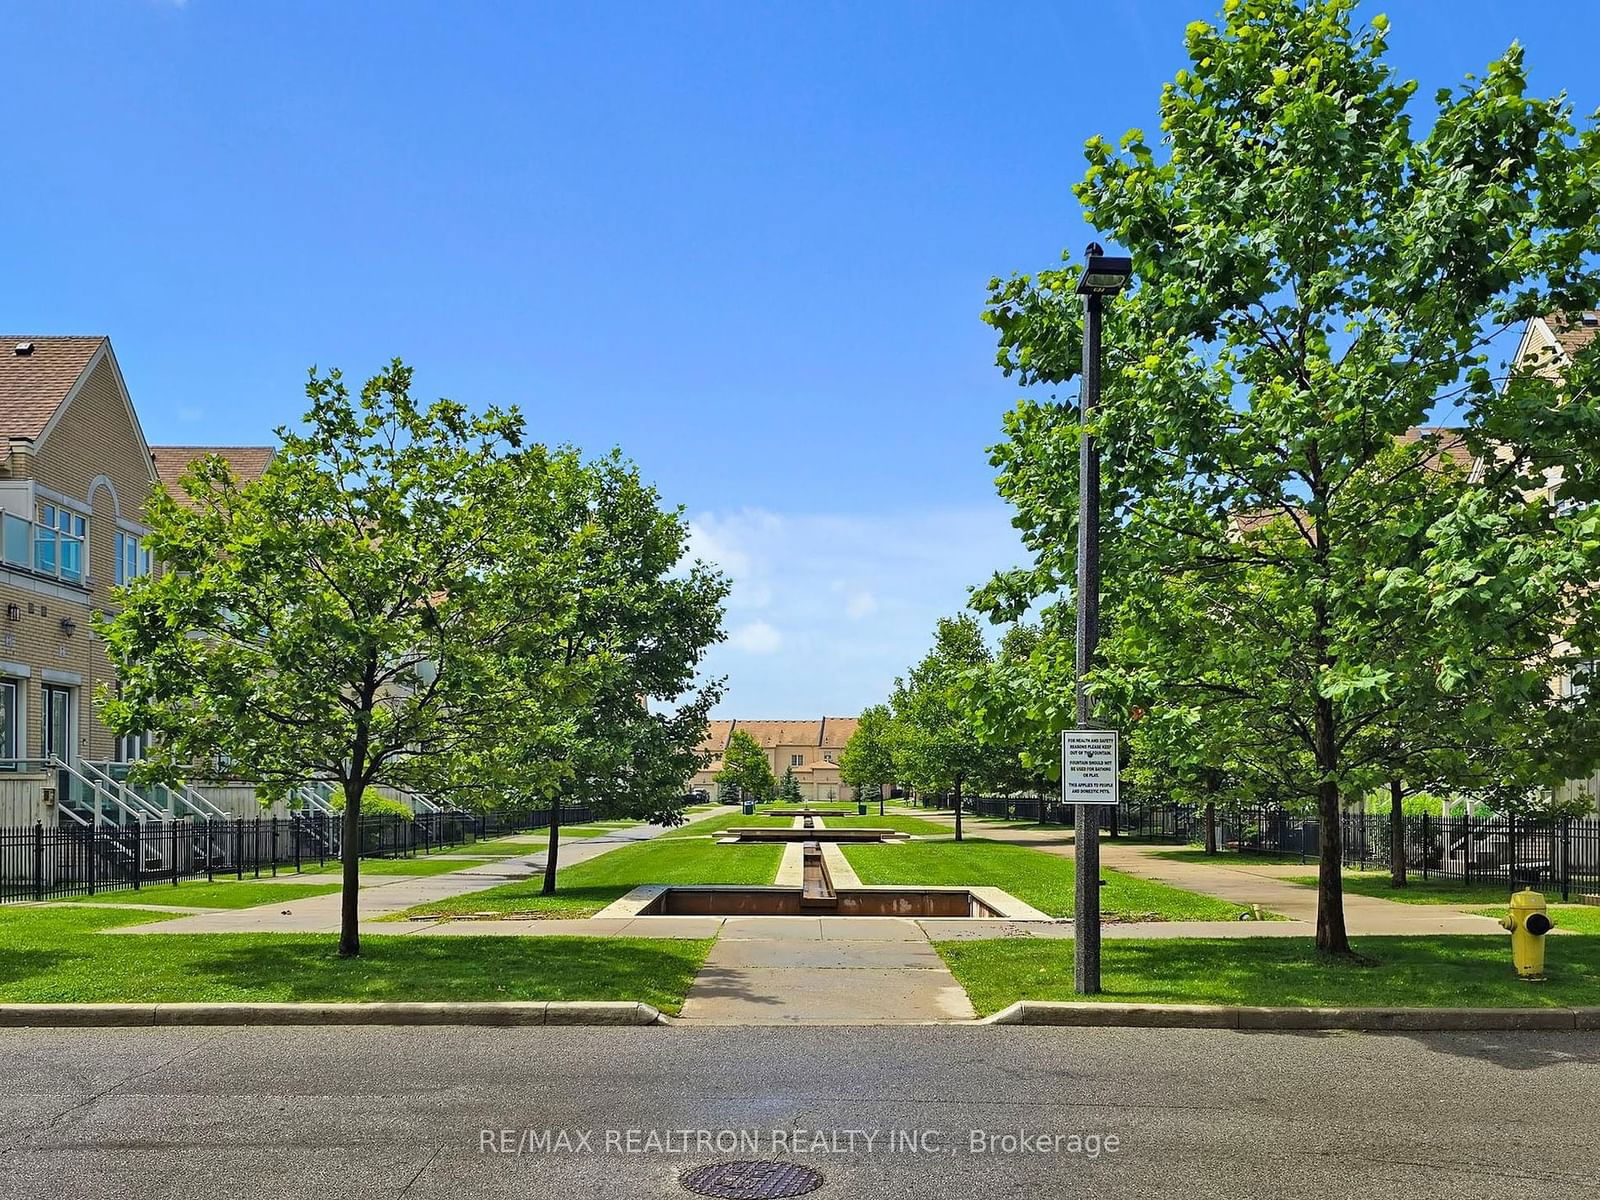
(1528, 923)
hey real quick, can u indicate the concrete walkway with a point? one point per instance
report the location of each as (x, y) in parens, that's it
(823, 970)
(1241, 883)
(383, 895)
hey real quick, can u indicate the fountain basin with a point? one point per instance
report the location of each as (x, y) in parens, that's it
(718, 900)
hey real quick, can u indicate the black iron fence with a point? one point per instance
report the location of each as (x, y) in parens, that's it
(45, 863)
(1560, 854)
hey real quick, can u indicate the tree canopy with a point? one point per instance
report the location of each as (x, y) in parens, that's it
(867, 761)
(745, 768)
(1288, 570)
(937, 744)
(411, 597)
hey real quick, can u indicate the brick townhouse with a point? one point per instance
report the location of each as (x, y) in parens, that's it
(809, 748)
(75, 477)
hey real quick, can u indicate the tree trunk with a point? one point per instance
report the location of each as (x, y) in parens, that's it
(1211, 826)
(350, 860)
(1397, 834)
(1332, 937)
(958, 810)
(549, 888)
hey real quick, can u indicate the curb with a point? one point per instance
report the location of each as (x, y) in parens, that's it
(533, 1012)
(1219, 1016)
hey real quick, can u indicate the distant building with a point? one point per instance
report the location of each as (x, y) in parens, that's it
(1548, 344)
(810, 748)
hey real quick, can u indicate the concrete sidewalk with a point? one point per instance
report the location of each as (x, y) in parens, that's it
(822, 971)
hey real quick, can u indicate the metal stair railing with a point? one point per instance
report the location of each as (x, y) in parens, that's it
(313, 799)
(201, 806)
(93, 800)
(131, 801)
(171, 798)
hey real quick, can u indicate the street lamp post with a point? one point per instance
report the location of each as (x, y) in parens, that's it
(1102, 276)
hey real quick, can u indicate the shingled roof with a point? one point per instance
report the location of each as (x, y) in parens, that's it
(1448, 444)
(36, 375)
(836, 731)
(716, 738)
(769, 734)
(1574, 333)
(246, 463)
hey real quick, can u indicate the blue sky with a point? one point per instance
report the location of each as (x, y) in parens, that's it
(748, 242)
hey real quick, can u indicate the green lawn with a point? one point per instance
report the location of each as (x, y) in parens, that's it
(724, 819)
(1574, 918)
(900, 824)
(504, 848)
(586, 887)
(245, 893)
(427, 865)
(1417, 890)
(1229, 858)
(1042, 880)
(54, 955)
(534, 841)
(1428, 972)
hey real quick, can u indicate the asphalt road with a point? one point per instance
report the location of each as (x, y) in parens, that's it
(329, 1113)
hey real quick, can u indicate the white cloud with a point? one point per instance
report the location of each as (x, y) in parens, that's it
(826, 609)
(860, 604)
(757, 637)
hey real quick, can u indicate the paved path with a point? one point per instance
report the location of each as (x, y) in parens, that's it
(326, 1114)
(382, 895)
(823, 970)
(1241, 883)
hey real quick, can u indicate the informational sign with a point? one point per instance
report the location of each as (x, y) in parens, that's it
(1089, 766)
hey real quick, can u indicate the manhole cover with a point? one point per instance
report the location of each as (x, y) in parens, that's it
(752, 1180)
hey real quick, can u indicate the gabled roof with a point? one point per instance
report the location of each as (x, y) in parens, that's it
(34, 384)
(246, 463)
(716, 738)
(782, 733)
(836, 731)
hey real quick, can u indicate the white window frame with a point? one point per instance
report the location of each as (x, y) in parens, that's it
(55, 525)
(797, 760)
(11, 727)
(133, 560)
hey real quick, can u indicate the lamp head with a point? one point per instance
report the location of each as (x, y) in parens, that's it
(1103, 274)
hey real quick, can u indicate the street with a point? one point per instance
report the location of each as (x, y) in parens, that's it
(879, 1112)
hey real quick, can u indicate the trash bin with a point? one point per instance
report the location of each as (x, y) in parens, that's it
(749, 808)
(861, 808)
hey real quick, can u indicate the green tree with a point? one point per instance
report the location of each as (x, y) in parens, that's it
(789, 788)
(1019, 706)
(607, 632)
(745, 767)
(867, 761)
(1315, 278)
(327, 621)
(938, 746)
